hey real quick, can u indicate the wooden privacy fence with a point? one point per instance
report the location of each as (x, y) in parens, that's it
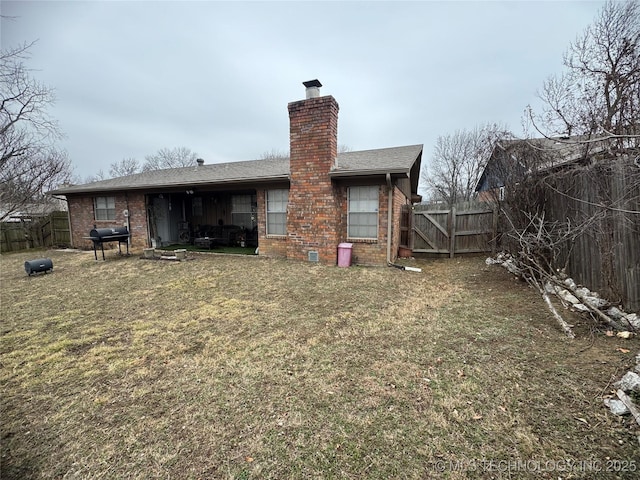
(463, 228)
(606, 257)
(35, 232)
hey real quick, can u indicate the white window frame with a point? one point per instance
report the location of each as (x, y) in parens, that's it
(104, 209)
(357, 207)
(276, 208)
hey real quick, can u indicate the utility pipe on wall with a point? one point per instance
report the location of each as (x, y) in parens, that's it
(127, 213)
(389, 215)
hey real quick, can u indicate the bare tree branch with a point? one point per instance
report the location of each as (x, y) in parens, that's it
(126, 166)
(599, 93)
(170, 158)
(458, 161)
(29, 162)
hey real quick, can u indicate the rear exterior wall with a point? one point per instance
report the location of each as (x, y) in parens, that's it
(374, 252)
(268, 245)
(82, 215)
(364, 252)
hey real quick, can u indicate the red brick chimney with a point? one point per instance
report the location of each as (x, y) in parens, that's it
(313, 212)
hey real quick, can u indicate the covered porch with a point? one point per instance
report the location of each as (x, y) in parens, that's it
(205, 219)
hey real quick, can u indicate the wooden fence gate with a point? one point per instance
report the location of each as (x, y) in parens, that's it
(463, 228)
(35, 232)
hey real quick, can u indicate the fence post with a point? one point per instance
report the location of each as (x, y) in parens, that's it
(5, 239)
(52, 228)
(494, 227)
(452, 232)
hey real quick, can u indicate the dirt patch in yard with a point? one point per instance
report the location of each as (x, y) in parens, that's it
(246, 367)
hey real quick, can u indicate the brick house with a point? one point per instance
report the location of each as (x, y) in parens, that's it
(300, 207)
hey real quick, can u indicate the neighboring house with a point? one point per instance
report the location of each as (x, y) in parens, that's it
(511, 160)
(35, 210)
(300, 207)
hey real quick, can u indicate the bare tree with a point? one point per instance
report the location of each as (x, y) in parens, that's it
(458, 161)
(96, 177)
(126, 166)
(580, 192)
(170, 158)
(29, 162)
(274, 154)
(572, 199)
(599, 93)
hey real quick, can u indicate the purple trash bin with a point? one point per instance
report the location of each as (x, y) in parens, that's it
(344, 254)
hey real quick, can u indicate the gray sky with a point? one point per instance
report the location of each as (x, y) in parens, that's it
(134, 77)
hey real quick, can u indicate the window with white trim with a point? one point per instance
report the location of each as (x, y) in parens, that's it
(362, 215)
(104, 208)
(277, 211)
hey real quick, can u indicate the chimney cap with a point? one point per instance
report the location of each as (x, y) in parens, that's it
(312, 83)
(200, 161)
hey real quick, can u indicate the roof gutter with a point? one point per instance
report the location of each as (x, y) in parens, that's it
(362, 173)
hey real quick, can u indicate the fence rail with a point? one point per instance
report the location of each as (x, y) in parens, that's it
(35, 232)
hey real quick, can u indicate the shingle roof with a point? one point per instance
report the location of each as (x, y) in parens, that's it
(382, 160)
(215, 173)
(523, 157)
(367, 162)
(547, 153)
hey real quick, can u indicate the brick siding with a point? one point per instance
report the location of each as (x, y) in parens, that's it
(317, 208)
(399, 200)
(83, 218)
(374, 252)
(271, 246)
(313, 211)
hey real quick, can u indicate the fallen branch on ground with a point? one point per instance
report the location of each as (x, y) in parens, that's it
(566, 328)
(624, 398)
(571, 295)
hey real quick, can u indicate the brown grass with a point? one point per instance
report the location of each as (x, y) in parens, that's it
(238, 367)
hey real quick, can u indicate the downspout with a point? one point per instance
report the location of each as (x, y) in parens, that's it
(147, 213)
(389, 220)
(127, 215)
(64, 197)
(389, 216)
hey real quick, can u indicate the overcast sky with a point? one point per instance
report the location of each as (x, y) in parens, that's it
(134, 77)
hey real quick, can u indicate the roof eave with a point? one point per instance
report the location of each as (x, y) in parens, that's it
(265, 179)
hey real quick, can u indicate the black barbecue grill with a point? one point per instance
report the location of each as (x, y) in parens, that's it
(100, 236)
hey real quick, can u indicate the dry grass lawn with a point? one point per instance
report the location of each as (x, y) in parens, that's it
(241, 367)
